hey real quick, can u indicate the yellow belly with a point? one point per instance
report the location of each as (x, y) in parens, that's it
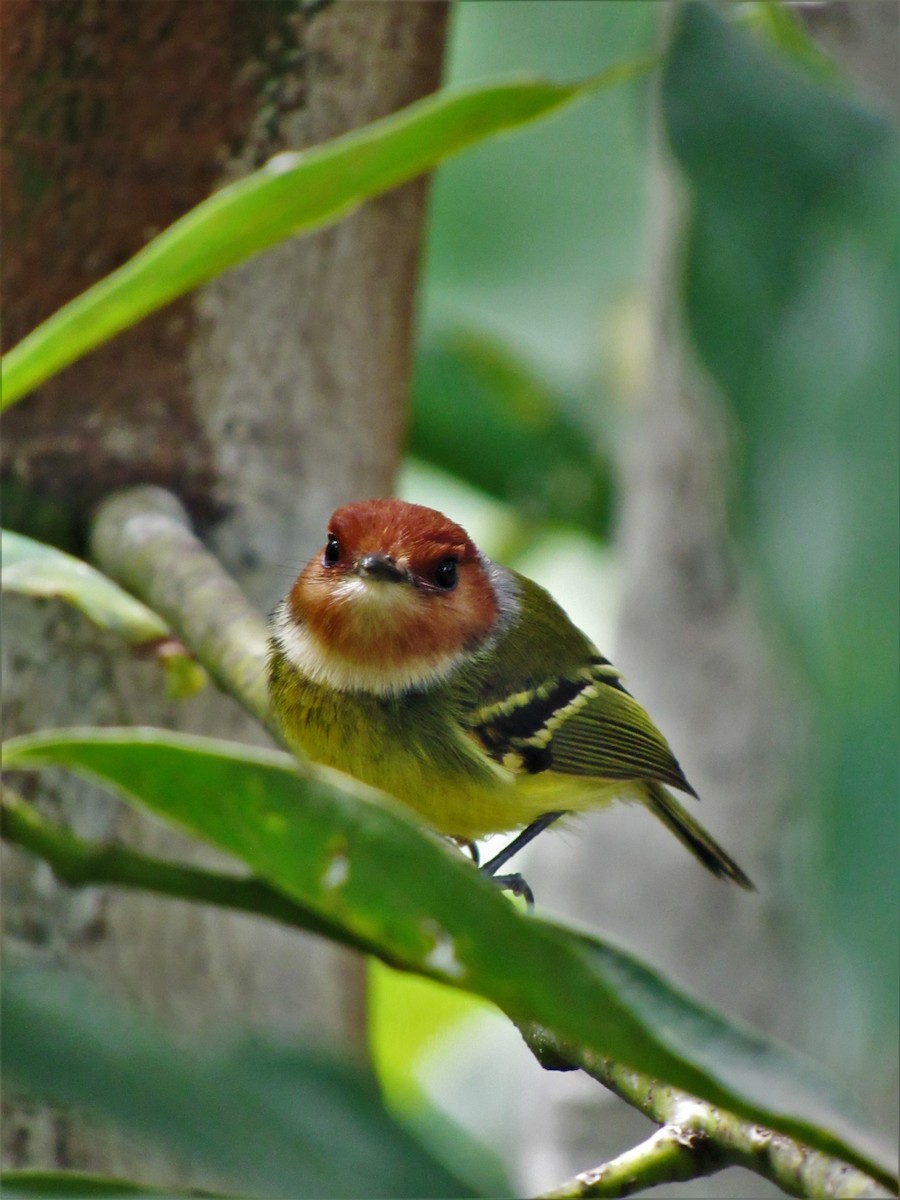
(426, 762)
(473, 812)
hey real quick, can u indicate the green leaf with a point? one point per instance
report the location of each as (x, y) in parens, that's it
(72, 1185)
(786, 31)
(790, 291)
(481, 415)
(294, 193)
(354, 858)
(34, 569)
(273, 1118)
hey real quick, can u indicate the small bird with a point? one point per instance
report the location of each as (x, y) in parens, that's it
(405, 657)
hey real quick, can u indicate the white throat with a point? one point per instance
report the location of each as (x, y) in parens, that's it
(312, 658)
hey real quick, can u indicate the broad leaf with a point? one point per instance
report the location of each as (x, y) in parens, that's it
(353, 857)
(280, 1120)
(73, 1185)
(294, 193)
(32, 568)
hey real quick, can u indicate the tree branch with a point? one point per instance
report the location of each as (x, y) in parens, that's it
(142, 538)
(695, 1139)
(80, 863)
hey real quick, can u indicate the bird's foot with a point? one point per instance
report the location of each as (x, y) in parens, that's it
(517, 885)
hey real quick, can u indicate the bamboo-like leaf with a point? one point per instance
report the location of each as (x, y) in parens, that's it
(32, 568)
(292, 194)
(354, 858)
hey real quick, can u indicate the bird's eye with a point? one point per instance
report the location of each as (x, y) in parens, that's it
(445, 574)
(332, 551)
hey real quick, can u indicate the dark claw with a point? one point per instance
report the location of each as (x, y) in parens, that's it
(515, 884)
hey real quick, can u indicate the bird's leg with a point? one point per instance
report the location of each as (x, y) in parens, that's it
(515, 883)
(528, 834)
(468, 847)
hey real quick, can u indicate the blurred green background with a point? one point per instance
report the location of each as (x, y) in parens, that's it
(531, 331)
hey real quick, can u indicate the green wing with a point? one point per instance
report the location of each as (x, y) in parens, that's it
(587, 726)
(552, 702)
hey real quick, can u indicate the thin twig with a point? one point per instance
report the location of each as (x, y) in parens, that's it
(669, 1156)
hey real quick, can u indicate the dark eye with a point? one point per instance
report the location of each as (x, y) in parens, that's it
(445, 574)
(332, 550)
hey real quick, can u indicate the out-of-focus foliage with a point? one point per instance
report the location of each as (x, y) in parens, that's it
(78, 1185)
(531, 250)
(34, 569)
(364, 866)
(790, 290)
(293, 193)
(479, 414)
(535, 244)
(266, 1117)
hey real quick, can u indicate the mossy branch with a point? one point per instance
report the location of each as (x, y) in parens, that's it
(695, 1139)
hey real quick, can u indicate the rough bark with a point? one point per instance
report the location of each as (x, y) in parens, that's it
(276, 393)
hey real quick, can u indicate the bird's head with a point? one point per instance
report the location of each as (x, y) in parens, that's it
(395, 599)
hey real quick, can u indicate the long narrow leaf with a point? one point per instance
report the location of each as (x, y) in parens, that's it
(351, 856)
(294, 193)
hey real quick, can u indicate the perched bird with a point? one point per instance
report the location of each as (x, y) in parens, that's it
(406, 658)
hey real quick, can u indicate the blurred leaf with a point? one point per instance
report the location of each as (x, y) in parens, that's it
(294, 193)
(351, 856)
(34, 569)
(790, 290)
(277, 1119)
(536, 240)
(72, 1185)
(786, 31)
(478, 413)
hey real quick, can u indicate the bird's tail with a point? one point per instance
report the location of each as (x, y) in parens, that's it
(692, 834)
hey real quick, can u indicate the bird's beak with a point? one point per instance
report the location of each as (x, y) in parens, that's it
(381, 567)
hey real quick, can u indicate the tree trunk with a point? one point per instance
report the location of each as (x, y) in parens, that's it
(263, 401)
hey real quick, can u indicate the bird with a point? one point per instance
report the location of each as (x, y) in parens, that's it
(405, 657)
